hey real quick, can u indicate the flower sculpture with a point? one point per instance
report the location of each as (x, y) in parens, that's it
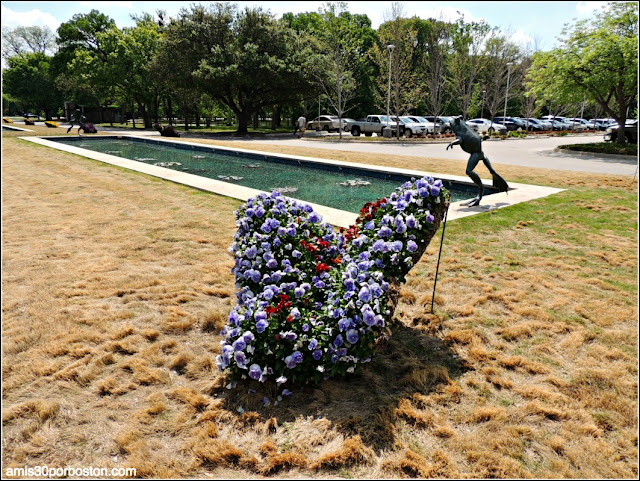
(311, 301)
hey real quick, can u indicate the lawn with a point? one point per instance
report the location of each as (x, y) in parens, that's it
(116, 284)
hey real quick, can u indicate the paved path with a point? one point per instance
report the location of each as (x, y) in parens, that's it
(529, 151)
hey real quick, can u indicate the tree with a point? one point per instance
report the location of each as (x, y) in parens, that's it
(255, 62)
(598, 60)
(81, 64)
(186, 40)
(398, 86)
(433, 42)
(499, 53)
(465, 61)
(29, 79)
(130, 65)
(33, 39)
(338, 46)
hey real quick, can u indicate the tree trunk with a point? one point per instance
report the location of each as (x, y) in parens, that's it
(255, 121)
(186, 119)
(243, 122)
(275, 118)
(197, 113)
(146, 115)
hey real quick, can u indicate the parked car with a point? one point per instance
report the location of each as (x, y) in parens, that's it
(443, 124)
(545, 123)
(411, 127)
(603, 124)
(374, 124)
(536, 125)
(592, 124)
(511, 123)
(431, 127)
(28, 115)
(485, 126)
(630, 132)
(579, 122)
(328, 123)
(348, 122)
(557, 123)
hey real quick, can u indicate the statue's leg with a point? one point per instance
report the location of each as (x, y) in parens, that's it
(471, 164)
(498, 181)
(70, 127)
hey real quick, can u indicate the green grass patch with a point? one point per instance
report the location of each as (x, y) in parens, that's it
(603, 148)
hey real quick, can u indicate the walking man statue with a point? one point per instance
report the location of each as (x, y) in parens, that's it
(79, 118)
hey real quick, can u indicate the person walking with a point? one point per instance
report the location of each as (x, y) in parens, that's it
(302, 125)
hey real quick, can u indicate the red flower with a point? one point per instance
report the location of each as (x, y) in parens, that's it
(322, 268)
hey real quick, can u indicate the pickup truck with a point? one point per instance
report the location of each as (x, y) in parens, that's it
(373, 124)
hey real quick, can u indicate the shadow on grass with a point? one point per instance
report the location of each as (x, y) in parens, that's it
(409, 361)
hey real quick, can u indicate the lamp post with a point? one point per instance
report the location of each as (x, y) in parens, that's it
(506, 95)
(390, 49)
(482, 113)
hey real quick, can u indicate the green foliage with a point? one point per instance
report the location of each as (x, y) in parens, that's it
(29, 78)
(603, 148)
(598, 60)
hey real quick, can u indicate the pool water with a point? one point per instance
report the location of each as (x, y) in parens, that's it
(330, 185)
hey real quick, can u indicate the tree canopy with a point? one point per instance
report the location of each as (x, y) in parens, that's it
(219, 60)
(598, 60)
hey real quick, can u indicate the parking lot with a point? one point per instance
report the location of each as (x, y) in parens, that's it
(532, 151)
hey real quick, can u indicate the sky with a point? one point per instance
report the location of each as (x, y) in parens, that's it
(528, 22)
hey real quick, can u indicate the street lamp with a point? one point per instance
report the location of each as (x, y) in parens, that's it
(482, 113)
(390, 49)
(506, 95)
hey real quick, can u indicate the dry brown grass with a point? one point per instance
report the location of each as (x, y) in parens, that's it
(115, 286)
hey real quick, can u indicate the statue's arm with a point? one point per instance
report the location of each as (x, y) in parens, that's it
(455, 142)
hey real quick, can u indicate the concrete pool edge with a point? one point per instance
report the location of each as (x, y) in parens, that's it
(340, 218)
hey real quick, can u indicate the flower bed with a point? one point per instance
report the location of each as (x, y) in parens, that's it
(51, 124)
(7, 120)
(311, 301)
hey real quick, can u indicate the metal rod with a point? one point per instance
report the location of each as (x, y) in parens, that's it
(435, 282)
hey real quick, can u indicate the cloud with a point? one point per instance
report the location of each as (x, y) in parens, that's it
(12, 19)
(448, 14)
(521, 38)
(589, 8)
(107, 5)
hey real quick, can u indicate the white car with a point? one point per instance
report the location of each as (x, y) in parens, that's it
(544, 124)
(536, 125)
(485, 126)
(430, 126)
(411, 128)
(328, 123)
(347, 123)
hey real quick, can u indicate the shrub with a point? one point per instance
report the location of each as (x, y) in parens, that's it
(7, 120)
(89, 128)
(29, 122)
(312, 302)
(51, 124)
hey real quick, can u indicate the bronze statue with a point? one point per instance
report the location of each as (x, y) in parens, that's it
(471, 143)
(79, 118)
